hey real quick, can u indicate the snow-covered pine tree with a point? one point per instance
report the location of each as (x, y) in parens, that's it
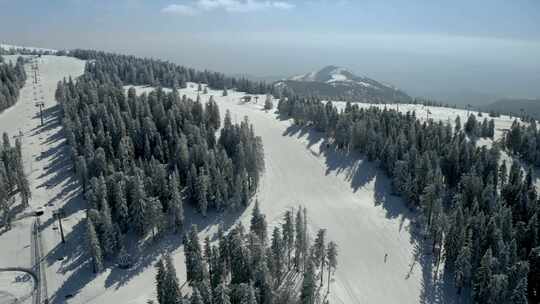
(258, 223)
(268, 104)
(308, 290)
(94, 247)
(138, 207)
(331, 254)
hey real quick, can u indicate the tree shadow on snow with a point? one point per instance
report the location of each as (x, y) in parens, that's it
(58, 171)
(145, 253)
(76, 262)
(361, 173)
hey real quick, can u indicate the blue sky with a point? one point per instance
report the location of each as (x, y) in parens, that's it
(435, 48)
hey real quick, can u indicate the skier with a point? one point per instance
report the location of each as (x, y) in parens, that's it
(385, 257)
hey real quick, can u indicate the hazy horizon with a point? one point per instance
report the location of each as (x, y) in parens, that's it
(487, 49)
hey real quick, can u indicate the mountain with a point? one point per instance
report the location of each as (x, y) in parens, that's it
(515, 106)
(265, 78)
(334, 82)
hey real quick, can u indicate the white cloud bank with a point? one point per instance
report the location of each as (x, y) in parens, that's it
(237, 6)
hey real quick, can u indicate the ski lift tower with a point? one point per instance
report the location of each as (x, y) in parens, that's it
(40, 104)
(59, 213)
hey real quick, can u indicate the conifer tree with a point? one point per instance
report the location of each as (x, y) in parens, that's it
(94, 247)
(138, 209)
(331, 254)
(288, 236)
(268, 104)
(258, 223)
(308, 290)
(319, 252)
(173, 294)
(161, 277)
(195, 270)
(175, 205)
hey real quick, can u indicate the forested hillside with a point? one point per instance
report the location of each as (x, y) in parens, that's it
(247, 268)
(481, 220)
(139, 158)
(143, 71)
(12, 180)
(12, 78)
(524, 141)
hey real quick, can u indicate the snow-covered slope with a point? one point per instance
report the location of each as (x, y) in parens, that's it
(48, 167)
(345, 194)
(336, 82)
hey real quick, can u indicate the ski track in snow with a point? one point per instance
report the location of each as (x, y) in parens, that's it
(345, 194)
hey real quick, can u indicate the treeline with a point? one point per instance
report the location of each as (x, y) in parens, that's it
(12, 78)
(143, 71)
(524, 141)
(140, 158)
(481, 220)
(253, 267)
(12, 179)
(29, 51)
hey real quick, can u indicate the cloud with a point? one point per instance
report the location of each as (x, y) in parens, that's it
(235, 6)
(179, 9)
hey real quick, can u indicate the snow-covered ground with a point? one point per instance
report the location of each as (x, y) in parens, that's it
(48, 170)
(444, 114)
(15, 286)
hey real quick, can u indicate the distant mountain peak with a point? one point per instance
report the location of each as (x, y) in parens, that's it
(327, 74)
(335, 82)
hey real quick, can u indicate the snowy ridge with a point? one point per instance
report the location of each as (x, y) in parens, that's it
(8, 47)
(333, 74)
(338, 82)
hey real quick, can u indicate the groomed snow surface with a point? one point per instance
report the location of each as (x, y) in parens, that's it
(14, 286)
(347, 195)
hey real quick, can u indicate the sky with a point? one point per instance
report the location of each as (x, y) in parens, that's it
(483, 49)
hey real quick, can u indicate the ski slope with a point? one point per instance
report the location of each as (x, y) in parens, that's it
(344, 194)
(48, 169)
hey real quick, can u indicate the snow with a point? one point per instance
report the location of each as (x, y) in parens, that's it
(305, 77)
(15, 287)
(48, 169)
(337, 77)
(365, 84)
